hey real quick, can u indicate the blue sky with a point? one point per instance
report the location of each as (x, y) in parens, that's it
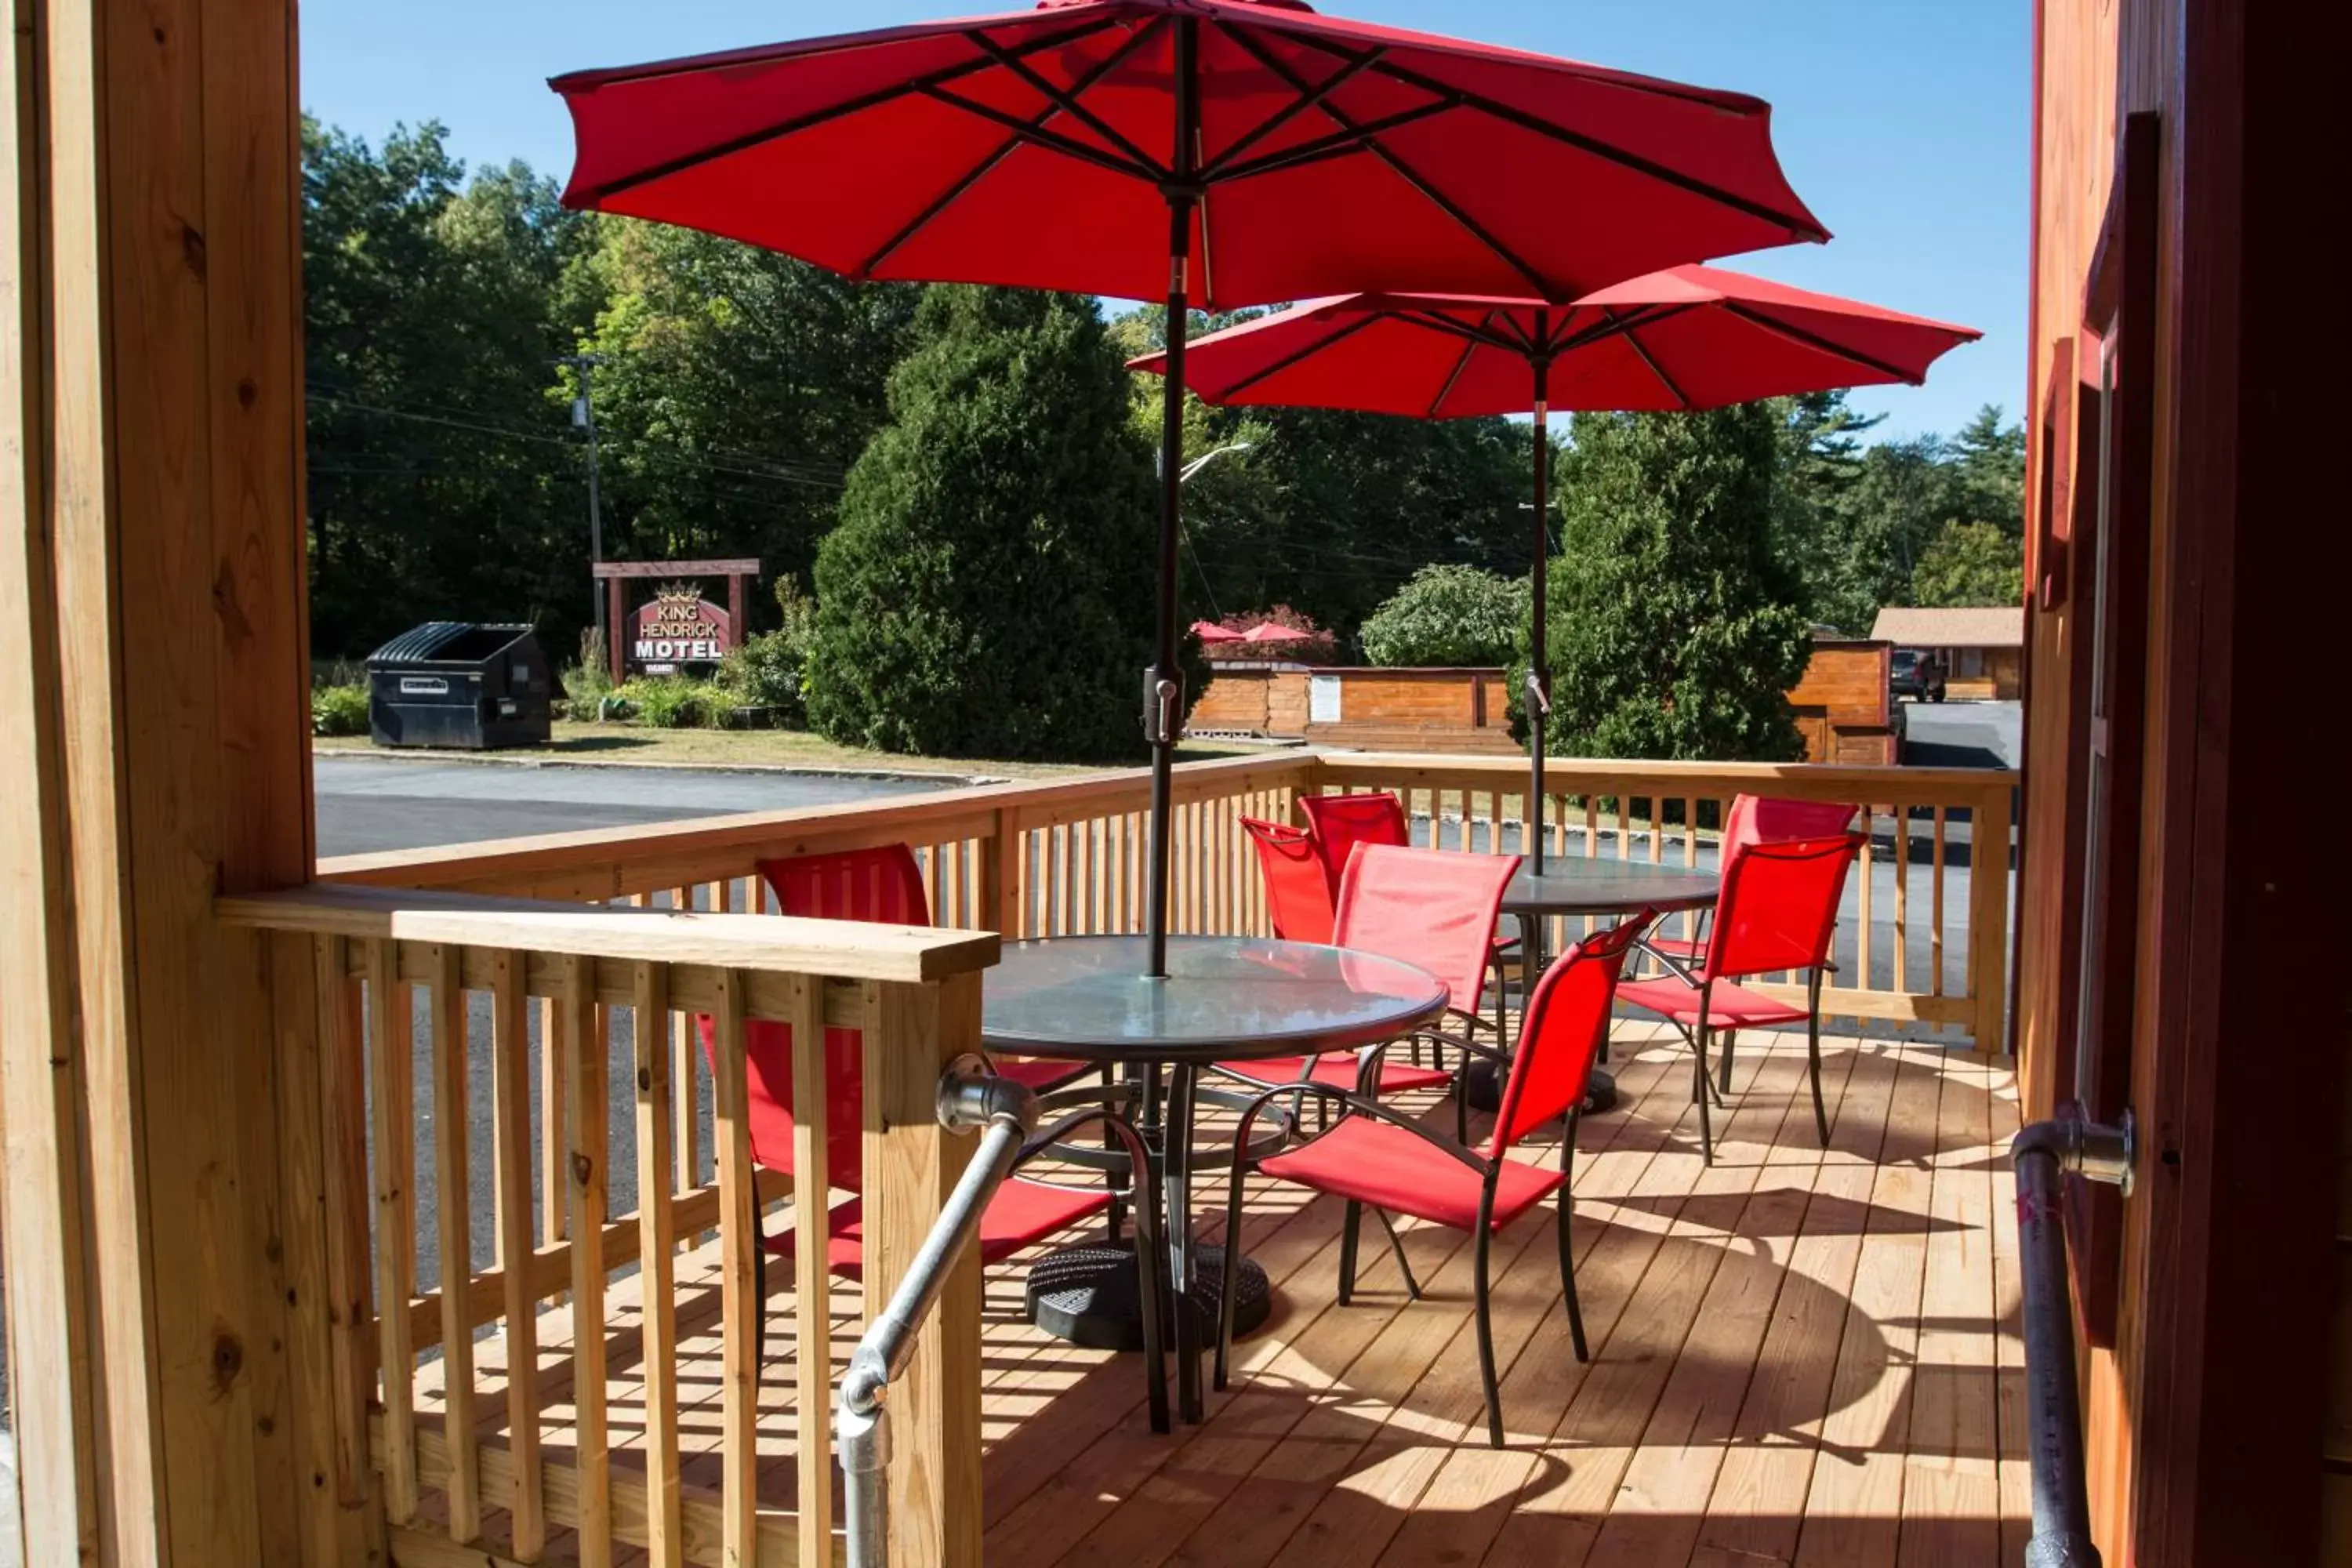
(1902, 123)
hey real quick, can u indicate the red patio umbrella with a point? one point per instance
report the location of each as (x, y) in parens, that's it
(1686, 338)
(1267, 631)
(1106, 145)
(1209, 632)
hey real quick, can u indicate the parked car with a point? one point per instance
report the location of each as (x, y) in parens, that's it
(1917, 675)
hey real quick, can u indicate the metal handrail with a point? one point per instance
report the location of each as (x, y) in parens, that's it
(969, 1096)
(2042, 1155)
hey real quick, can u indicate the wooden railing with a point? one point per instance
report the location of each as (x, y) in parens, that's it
(1927, 937)
(1925, 941)
(359, 959)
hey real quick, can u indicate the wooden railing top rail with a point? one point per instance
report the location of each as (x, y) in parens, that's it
(606, 862)
(756, 943)
(1563, 774)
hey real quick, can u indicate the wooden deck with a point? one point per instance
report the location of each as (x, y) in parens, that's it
(1798, 1357)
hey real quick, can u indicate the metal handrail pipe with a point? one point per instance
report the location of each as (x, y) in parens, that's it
(2043, 1154)
(969, 1096)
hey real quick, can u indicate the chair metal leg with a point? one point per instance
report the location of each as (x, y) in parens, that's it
(1486, 1339)
(1349, 1227)
(1813, 1056)
(1699, 1091)
(1411, 1286)
(1722, 1068)
(1566, 1202)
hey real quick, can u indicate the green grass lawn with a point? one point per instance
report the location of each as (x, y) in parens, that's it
(637, 746)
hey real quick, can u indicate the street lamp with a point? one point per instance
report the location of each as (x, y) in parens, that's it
(1205, 458)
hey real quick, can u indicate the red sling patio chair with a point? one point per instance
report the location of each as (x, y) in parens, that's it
(1341, 822)
(1302, 910)
(1374, 1157)
(881, 885)
(1758, 819)
(1777, 911)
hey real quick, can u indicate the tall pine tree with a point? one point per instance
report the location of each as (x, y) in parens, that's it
(1675, 628)
(989, 590)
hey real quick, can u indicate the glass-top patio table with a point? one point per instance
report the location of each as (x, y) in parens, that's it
(1574, 887)
(1223, 999)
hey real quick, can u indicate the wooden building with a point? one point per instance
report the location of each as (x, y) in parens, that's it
(1982, 649)
(1843, 706)
(2167, 930)
(1455, 712)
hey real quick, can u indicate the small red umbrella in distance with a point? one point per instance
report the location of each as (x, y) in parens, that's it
(1267, 631)
(1686, 338)
(1210, 632)
(1215, 152)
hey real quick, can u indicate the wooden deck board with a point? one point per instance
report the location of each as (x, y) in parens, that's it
(1800, 1356)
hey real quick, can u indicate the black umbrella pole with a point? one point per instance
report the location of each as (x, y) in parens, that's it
(1163, 697)
(1539, 695)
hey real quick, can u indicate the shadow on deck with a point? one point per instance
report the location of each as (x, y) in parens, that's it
(1800, 1356)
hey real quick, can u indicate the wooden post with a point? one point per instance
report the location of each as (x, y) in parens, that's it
(616, 637)
(1989, 920)
(735, 606)
(911, 1164)
(155, 643)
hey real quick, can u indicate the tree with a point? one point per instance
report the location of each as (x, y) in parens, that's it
(1333, 511)
(1971, 564)
(1450, 615)
(736, 386)
(1674, 626)
(442, 482)
(989, 590)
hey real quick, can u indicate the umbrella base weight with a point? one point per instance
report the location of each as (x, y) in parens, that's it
(1484, 1090)
(1086, 1294)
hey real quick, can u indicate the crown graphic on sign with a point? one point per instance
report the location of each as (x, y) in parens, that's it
(678, 598)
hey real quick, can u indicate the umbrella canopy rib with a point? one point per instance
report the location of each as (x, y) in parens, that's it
(1050, 140)
(1071, 101)
(1347, 328)
(1461, 363)
(815, 117)
(1798, 228)
(1815, 341)
(1004, 149)
(1632, 336)
(1397, 165)
(1216, 166)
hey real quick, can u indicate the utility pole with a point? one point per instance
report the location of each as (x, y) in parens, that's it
(583, 417)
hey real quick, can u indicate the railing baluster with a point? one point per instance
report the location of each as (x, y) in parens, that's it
(452, 1191)
(510, 1048)
(552, 1212)
(739, 1401)
(343, 1177)
(656, 1242)
(812, 1279)
(685, 1103)
(1902, 815)
(1869, 875)
(1935, 904)
(586, 1041)
(391, 1063)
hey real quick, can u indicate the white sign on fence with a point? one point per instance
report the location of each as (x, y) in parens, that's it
(1323, 698)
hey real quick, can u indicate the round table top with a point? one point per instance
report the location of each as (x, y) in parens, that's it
(1086, 997)
(1577, 887)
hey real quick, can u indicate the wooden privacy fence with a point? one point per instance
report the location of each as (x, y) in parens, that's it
(1925, 940)
(362, 960)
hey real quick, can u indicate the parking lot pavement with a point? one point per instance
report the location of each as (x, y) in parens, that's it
(1963, 734)
(369, 804)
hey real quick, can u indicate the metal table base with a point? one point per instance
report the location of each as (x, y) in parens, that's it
(1088, 1296)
